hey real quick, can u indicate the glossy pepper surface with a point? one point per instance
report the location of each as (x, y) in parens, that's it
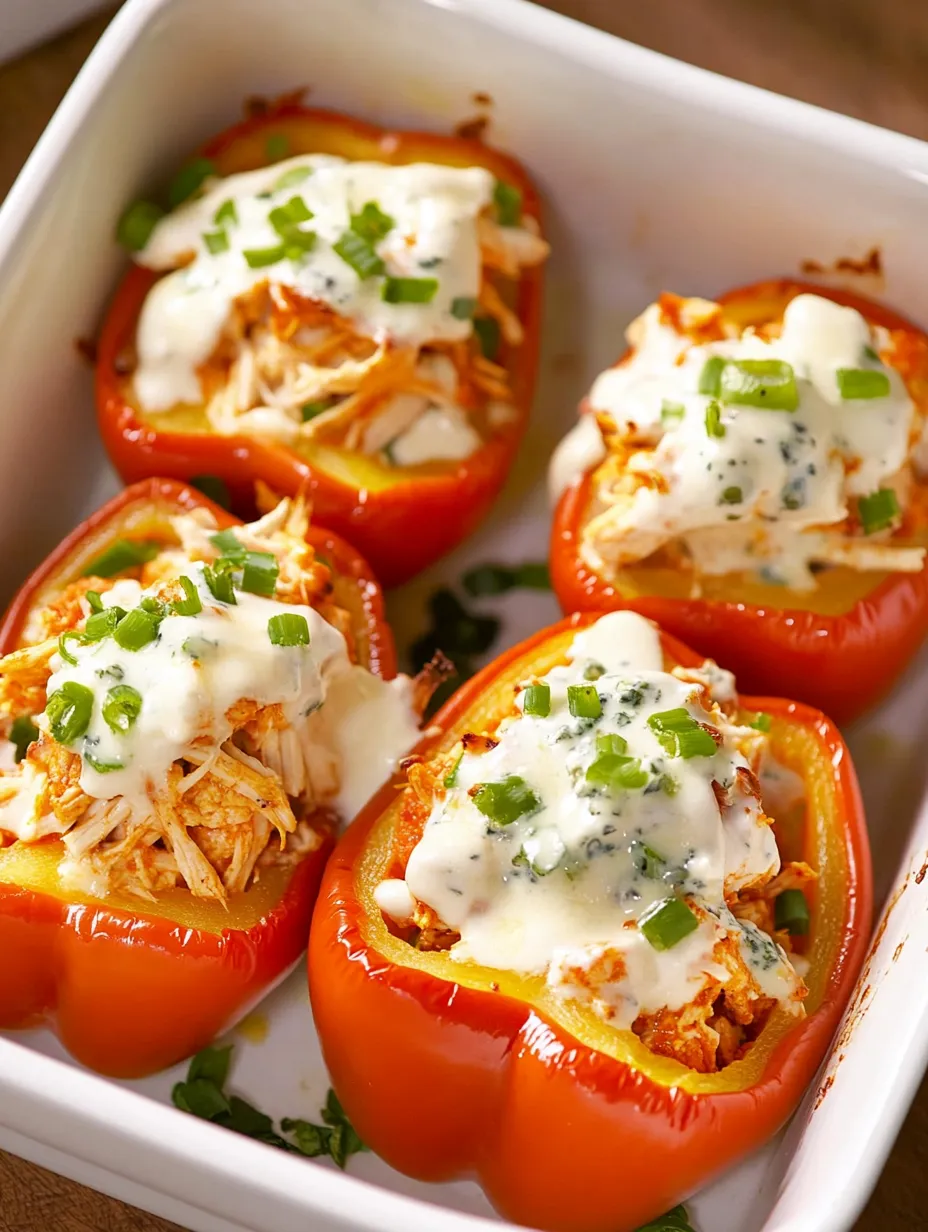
(132, 986)
(840, 647)
(400, 519)
(448, 1069)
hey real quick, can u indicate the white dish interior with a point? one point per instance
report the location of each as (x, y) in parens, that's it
(656, 176)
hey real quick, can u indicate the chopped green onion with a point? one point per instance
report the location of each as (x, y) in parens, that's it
(463, 307)
(260, 573)
(870, 353)
(878, 511)
(666, 923)
(213, 487)
(372, 224)
(154, 607)
(714, 425)
(71, 636)
(189, 179)
(508, 201)
(121, 707)
(277, 147)
(22, 733)
(293, 211)
(731, 496)
(537, 700)
(710, 378)
(101, 767)
(451, 778)
(671, 412)
(289, 179)
(121, 555)
(136, 629)
(791, 911)
(216, 241)
(487, 333)
(680, 735)
(355, 251)
(583, 701)
(309, 410)
(138, 220)
(102, 624)
(219, 579)
(257, 258)
(652, 865)
(288, 629)
(862, 383)
(191, 604)
(766, 383)
(227, 543)
(617, 771)
(761, 721)
(94, 600)
(409, 290)
(506, 801)
(69, 709)
(611, 742)
(226, 213)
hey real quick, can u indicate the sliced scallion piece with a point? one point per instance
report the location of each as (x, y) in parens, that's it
(680, 735)
(309, 410)
(714, 425)
(463, 307)
(671, 412)
(617, 771)
(710, 378)
(508, 201)
(219, 579)
(227, 213)
(583, 701)
(862, 383)
(666, 923)
(290, 179)
(409, 290)
(487, 333)
(69, 710)
(64, 645)
(451, 778)
(189, 179)
(731, 496)
(23, 732)
(101, 767)
(506, 801)
(611, 742)
(357, 252)
(372, 224)
(216, 241)
(121, 555)
(136, 629)
(651, 864)
(94, 600)
(102, 624)
(227, 543)
(536, 700)
(258, 258)
(191, 604)
(878, 511)
(761, 721)
(259, 574)
(121, 707)
(288, 629)
(791, 911)
(766, 383)
(136, 224)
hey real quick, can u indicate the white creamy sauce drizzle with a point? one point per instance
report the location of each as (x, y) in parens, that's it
(199, 666)
(563, 884)
(435, 210)
(578, 452)
(774, 474)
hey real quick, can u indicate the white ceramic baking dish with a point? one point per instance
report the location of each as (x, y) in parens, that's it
(657, 175)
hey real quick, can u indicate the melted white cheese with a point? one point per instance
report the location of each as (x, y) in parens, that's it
(442, 433)
(434, 209)
(199, 666)
(566, 882)
(754, 497)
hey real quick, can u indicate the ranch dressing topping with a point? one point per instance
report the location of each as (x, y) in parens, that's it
(549, 851)
(183, 682)
(233, 238)
(754, 464)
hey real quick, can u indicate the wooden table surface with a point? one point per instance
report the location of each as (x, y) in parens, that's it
(862, 57)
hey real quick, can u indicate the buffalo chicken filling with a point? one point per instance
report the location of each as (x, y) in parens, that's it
(609, 836)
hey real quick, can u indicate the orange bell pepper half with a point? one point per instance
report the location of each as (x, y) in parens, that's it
(400, 518)
(840, 647)
(132, 986)
(448, 1069)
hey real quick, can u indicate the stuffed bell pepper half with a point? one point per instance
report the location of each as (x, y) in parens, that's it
(188, 705)
(596, 947)
(333, 307)
(751, 474)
